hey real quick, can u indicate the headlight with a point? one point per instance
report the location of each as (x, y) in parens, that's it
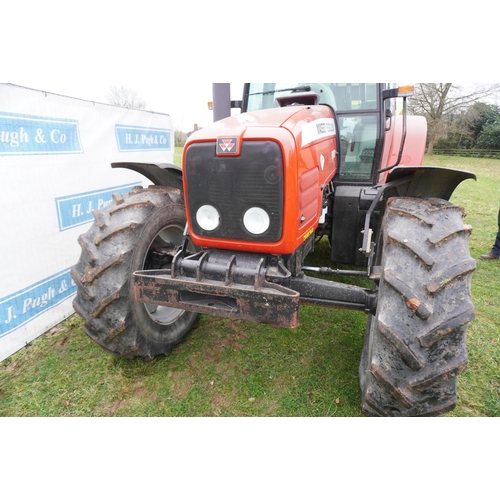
(208, 217)
(256, 220)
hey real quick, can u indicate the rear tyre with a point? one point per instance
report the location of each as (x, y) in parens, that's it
(415, 343)
(141, 230)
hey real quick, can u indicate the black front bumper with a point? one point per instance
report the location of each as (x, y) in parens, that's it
(236, 285)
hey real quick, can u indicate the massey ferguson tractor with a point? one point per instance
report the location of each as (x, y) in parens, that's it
(228, 235)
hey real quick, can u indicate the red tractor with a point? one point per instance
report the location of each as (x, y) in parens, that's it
(229, 232)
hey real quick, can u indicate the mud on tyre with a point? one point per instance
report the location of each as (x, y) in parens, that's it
(140, 230)
(415, 343)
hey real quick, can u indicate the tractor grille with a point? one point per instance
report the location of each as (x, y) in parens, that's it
(233, 185)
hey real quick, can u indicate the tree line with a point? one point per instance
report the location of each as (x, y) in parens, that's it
(458, 118)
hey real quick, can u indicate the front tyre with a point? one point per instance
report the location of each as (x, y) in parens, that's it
(415, 343)
(140, 230)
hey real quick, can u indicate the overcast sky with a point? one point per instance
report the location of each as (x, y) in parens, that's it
(80, 49)
(169, 53)
(186, 102)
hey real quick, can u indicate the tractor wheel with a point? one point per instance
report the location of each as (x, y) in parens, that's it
(415, 343)
(140, 230)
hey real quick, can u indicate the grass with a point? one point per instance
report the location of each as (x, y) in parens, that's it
(235, 368)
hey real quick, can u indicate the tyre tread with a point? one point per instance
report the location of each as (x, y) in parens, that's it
(103, 273)
(415, 345)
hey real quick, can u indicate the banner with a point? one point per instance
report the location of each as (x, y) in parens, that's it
(55, 170)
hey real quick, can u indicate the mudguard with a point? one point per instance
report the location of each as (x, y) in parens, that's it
(427, 182)
(162, 174)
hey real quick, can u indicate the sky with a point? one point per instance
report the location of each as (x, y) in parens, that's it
(169, 53)
(81, 49)
(185, 102)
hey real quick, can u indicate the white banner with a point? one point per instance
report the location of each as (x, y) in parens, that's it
(55, 169)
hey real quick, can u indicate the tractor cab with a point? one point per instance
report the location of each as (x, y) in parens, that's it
(358, 108)
(372, 129)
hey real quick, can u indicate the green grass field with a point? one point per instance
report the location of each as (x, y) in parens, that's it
(235, 368)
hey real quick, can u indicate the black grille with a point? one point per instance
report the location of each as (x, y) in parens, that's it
(233, 185)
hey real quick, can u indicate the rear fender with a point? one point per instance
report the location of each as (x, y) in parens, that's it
(161, 174)
(426, 182)
(412, 182)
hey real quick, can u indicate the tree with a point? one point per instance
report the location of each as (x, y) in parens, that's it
(465, 128)
(180, 138)
(121, 96)
(482, 117)
(439, 101)
(490, 136)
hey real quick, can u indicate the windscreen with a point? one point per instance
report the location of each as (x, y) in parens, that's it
(341, 96)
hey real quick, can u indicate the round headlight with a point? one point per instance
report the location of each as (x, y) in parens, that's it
(208, 217)
(256, 220)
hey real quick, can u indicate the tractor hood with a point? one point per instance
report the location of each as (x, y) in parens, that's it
(292, 118)
(236, 125)
(275, 162)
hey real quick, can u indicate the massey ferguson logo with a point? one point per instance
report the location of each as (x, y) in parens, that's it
(227, 146)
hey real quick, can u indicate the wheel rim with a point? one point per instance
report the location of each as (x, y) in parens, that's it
(167, 239)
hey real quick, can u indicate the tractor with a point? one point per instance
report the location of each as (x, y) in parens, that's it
(229, 233)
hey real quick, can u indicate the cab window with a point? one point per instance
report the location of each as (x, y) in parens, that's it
(341, 96)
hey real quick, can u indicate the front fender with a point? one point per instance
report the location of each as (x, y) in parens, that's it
(162, 174)
(427, 182)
